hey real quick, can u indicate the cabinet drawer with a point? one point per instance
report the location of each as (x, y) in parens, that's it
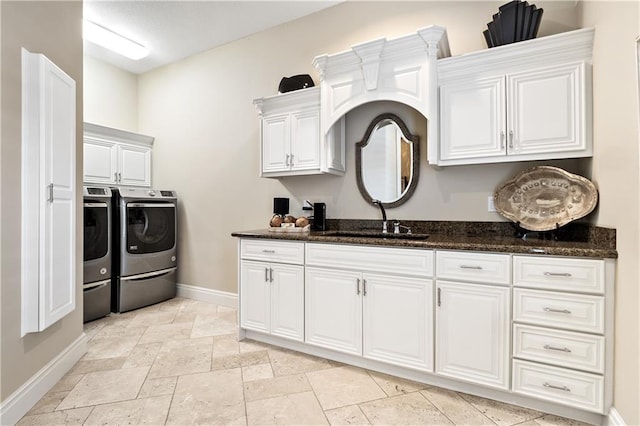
(580, 275)
(375, 259)
(272, 251)
(480, 267)
(561, 348)
(560, 385)
(577, 312)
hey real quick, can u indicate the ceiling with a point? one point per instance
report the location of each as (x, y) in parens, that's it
(174, 30)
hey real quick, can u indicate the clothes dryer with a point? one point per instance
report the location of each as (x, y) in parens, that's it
(145, 267)
(97, 253)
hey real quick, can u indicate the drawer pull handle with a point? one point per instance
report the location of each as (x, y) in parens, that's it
(537, 251)
(358, 286)
(557, 274)
(562, 388)
(557, 311)
(364, 287)
(553, 348)
(478, 268)
(268, 251)
(266, 275)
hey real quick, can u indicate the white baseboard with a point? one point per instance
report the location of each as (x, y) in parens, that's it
(16, 405)
(208, 295)
(614, 418)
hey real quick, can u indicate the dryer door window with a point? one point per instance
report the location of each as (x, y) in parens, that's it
(151, 227)
(96, 230)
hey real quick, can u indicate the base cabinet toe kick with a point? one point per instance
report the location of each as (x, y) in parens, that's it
(531, 330)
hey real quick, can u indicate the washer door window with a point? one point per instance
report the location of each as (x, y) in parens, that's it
(96, 230)
(151, 227)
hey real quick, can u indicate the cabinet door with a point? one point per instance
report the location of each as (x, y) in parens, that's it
(472, 333)
(472, 119)
(134, 165)
(100, 161)
(305, 140)
(48, 256)
(546, 110)
(398, 320)
(333, 309)
(287, 301)
(254, 295)
(276, 143)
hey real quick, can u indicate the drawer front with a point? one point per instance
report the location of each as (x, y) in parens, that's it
(580, 275)
(272, 251)
(577, 312)
(479, 267)
(559, 385)
(375, 259)
(561, 348)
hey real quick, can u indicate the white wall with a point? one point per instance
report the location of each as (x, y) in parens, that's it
(110, 95)
(615, 172)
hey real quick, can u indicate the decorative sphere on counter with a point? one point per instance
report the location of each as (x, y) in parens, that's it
(289, 219)
(301, 222)
(275, 221)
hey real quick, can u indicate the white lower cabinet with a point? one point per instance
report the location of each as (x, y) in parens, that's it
(472, 333)
(381, 317)
(561, 322)
(378, 307)
(367, 310)
(272, 293)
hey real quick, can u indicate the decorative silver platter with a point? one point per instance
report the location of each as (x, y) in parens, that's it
(543, 198)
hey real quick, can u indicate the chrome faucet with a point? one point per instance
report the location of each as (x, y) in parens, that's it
(397, 228)
(384, 215)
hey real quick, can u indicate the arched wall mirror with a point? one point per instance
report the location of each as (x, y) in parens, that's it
(388, 161)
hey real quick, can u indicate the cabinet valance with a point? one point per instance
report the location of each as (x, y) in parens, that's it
(401, 70)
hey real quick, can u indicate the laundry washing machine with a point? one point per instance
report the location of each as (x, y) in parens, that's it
(145, 238)
(97, 253)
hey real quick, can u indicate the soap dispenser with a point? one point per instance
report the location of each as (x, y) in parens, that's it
(319, 217)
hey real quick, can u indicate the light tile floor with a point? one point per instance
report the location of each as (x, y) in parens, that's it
(179, 363)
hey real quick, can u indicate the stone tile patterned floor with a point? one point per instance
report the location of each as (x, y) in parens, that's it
(179, 363)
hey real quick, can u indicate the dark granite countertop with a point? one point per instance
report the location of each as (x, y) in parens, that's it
(579, 240)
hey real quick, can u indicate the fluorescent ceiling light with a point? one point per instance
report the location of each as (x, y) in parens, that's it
(108, 39)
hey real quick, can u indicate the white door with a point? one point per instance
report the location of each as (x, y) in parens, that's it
(134, 165)
(472, 333)
(287, 301)
(472, 119)
(398, 320)
(305, 140)
(100, 161)
(48, 193)
(545, 113)
(254, 295)
(276, 143)
(333, 309)
(58, 251)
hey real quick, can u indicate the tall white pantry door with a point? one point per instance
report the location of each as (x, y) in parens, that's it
(48, 193)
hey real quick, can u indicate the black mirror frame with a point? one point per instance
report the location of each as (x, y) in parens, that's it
(415, 143)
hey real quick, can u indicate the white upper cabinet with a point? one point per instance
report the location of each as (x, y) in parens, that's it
(291, 142)
(116, 157)
(524, 101)
(48, 193)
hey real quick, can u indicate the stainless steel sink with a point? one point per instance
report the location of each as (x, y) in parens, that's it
(376, 234)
